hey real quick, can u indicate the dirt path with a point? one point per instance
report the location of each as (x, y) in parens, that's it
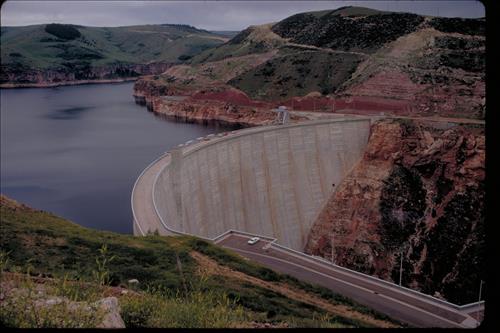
(317, 48)
(210, 267)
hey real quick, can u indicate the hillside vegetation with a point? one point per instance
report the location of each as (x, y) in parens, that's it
(183, 281)
(367, 60)
(65, 48)
(346, 29)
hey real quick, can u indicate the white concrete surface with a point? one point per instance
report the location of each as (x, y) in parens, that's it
(268, 180)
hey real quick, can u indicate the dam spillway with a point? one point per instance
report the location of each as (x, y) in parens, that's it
(268, 180)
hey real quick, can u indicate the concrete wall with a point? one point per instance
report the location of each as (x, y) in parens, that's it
(268, 180)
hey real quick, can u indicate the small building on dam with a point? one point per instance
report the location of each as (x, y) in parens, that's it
(269, 180)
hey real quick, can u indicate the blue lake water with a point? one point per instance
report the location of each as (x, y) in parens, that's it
(76, 151)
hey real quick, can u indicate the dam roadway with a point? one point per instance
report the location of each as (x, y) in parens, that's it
(273, 181)
(398, 303)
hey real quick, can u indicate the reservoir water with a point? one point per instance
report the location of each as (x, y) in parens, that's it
(76, 151)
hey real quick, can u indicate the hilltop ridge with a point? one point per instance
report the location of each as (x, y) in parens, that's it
(49, 54)
(352, 58)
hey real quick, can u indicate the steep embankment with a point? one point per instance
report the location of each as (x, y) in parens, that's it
(352, 59)
(54, 54)
(182, 282)
(419, 190)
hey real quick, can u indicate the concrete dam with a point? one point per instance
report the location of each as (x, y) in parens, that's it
(269, 180)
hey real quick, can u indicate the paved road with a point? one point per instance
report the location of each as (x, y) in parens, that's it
(142, 197)
(399, 305)
(315, 115)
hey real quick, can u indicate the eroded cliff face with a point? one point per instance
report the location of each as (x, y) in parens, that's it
(19, 76)
(211, 110)
(419, 191)
(184, 99)
(429, 72)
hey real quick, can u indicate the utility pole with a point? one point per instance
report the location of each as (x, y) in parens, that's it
(401, 263)
(480, 289)
(333, 258)
(401, 269)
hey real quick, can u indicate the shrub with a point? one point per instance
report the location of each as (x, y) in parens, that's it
(184, 57)
(101, 274)
(64, 31)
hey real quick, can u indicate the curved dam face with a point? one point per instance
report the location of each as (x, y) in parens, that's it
(270, 181)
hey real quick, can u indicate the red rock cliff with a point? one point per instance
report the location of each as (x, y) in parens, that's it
(418, 190)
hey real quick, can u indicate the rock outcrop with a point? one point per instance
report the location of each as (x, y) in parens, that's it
(112, 317)
(419, 191)
(211, 110)
(216, 102)
(60, 311)
(15, 76)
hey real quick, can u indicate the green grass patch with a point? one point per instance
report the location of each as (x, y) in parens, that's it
(40, 243)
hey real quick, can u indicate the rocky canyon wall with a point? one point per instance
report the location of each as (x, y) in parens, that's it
(418, 191)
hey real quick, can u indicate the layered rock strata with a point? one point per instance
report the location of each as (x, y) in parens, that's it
(216, 103)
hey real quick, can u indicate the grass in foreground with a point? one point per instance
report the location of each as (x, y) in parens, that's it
(172, 292)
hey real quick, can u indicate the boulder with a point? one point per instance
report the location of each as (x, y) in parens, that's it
(112, 318)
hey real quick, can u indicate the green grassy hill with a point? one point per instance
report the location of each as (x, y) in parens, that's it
(225, 33)
(297, 74)
(183, 281)
(61, 47)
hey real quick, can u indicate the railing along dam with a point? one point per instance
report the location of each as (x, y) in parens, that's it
(269, 180)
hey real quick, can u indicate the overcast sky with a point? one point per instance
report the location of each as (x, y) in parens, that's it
(210, 15)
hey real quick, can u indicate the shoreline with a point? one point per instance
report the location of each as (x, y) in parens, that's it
(199, 116)
(236, 124)
(64, 83)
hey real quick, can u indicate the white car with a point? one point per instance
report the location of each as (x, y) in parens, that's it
(253, 240)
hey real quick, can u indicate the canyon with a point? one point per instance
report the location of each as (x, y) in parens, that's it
(373, 190)
(413, 189)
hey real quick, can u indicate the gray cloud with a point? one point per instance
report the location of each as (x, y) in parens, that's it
(210, 15)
